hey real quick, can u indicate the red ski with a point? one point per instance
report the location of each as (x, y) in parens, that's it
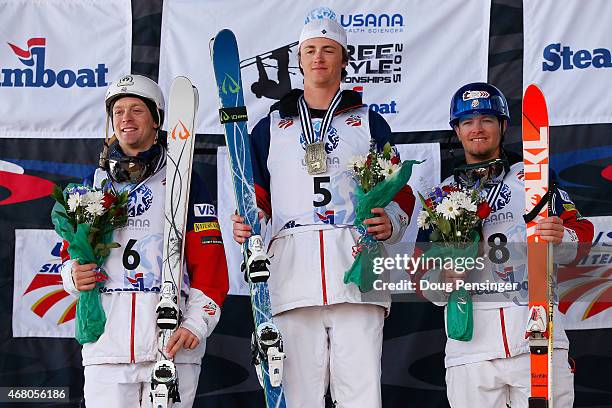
(539, 253)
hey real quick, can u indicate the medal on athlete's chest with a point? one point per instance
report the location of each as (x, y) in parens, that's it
(315, 156)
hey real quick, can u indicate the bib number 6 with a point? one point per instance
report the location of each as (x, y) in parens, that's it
(131, 257)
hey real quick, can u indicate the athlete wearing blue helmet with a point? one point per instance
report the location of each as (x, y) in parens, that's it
(493, 351)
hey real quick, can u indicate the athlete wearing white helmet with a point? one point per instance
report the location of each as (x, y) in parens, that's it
(119, 364)
(331, 338)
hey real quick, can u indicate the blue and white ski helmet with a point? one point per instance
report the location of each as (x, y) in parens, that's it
(478, 98)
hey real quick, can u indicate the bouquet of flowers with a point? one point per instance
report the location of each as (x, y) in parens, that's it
(86, 218)
(379, 176)
(453, 214)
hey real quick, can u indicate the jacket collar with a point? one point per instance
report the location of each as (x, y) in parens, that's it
(288, 105)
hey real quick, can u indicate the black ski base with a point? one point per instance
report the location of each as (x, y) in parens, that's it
(538, 402)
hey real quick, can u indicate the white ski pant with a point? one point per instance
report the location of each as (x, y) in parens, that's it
(337, 345)
(505, 382)
(128, 385)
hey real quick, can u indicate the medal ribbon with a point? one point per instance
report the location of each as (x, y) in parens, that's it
(306, 119)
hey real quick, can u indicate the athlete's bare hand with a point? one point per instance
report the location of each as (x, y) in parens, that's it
(84, 276)
(550, 229)
(182, 338)
(380, 227)
(240, 230)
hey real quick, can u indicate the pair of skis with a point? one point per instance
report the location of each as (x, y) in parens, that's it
(183, 104)
(266, 342)
(539, 253)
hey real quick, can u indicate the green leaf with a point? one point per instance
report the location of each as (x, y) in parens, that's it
(58, 194)
(445, 226)
(434, 236)
(387, 151)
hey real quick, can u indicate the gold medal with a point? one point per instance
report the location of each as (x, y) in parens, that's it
(316, 158)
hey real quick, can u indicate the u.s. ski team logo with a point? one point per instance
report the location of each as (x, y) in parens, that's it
(327, 218)
(137, 281)
(47, 290)
(353, 120)
(285, 123)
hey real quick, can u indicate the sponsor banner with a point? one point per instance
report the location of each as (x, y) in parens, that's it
(586, 295)
(41, 307)
(424, 176)
(400, 56)
(56, 61)
(568, 53)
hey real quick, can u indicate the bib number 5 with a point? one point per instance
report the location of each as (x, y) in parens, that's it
(321, 190)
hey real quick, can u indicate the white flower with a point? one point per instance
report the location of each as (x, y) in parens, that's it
(462, 200)
(357, 162)
(95, 209)
(94, 197)
(74, 201)
(448, 209)
(387, 168)
(423, 220)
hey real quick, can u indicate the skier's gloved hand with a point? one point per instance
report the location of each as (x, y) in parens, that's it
(182, 338)
(242, 231)
(379, 226)
(83, 276)
(551, 229)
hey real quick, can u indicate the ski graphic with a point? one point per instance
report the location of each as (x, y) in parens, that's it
(181, 137)
(266, 340)
(539, 253)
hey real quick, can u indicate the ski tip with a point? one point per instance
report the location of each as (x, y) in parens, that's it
(533, 94)
(181, 81)
(225, 33)
(535, 111)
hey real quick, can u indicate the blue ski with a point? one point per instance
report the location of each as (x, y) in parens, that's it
(266, 341)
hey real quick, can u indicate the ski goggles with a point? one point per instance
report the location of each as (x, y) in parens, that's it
(486, 172)
(129, 169)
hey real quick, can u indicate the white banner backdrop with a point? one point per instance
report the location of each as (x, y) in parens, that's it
(424, 176)
(41, 307)
(406, 57)
(568, 47)
(57, 58)
(586, 290)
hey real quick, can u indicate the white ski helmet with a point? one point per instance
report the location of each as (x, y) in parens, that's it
(139, 86)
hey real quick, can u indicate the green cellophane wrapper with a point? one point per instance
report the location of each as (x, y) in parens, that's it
(90, 317)
(459, 310)
(361, 272)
